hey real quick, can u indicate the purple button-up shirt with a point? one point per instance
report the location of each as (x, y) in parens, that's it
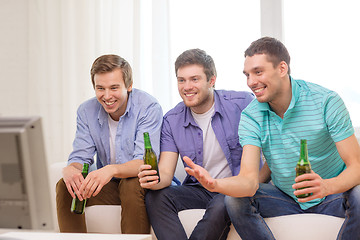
(181, 134)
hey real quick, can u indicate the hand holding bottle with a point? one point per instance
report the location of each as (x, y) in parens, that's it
(314, 184)
(73, 178)
(149, 172)
(147, 177)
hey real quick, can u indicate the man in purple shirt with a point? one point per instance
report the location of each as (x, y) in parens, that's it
(204, 127)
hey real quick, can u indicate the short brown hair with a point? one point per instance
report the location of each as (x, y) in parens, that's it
(274, 49)
(110, 62)
(199, 57)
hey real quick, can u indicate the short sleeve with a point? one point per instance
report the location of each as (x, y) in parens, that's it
(337, 117)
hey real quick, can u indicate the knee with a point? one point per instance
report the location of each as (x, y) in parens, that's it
(61, 188)
(354, 196)
(217, 204)
(131, 185)
(160, 198)
(236, 205)
(154, 197)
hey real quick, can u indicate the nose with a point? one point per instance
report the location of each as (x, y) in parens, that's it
(107, 94)
(251, 81)
(187, 85)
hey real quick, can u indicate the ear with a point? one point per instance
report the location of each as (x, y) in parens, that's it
(283, 68)
(212, 81)
(129, 88)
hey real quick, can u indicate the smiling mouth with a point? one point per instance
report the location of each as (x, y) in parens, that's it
(189, 94)
(258, 90)
(109, 103)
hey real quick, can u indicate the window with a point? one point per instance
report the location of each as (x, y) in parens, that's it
(224, 29)
(323, 40)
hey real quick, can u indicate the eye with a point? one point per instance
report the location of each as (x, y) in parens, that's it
(99, 88)
(180, 80)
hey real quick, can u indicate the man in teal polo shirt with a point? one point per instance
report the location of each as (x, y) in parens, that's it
(285, 111)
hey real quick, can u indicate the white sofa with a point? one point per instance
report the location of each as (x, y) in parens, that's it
(106, 219)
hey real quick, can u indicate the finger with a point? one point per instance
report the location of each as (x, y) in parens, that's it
(89, 189)
(307, 190)
(76, 190)
(149, 178)
(198, 175)
(147, 173)
(311, 197)
(189, 171)
(98, 189)
(188, 161)
(144, 167)
(70, 190)
(149, 185)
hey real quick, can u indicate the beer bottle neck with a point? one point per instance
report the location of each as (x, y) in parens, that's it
(85, 168)
(304, 150)
(147, 141)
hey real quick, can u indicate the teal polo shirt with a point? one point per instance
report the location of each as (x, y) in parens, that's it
(316, 114)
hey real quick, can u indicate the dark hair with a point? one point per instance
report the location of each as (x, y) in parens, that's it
(274, 49)
(108, 63)
(199, 57)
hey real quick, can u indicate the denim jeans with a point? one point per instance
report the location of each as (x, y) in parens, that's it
(247, 214)
(163, 207)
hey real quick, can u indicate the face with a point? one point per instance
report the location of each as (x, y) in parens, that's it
(196, 92)
(111, 92)
(263, 79)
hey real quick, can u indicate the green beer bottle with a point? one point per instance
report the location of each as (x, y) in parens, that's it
(150, 156)
(303, 165)
(78, 206)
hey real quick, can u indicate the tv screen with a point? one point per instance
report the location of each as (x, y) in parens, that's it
(25, 201)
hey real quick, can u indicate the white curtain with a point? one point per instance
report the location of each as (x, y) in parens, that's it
(65, 37)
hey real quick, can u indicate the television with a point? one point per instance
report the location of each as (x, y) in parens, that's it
(25, 200)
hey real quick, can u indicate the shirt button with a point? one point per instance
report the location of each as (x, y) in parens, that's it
(199, 152)
(199, 134)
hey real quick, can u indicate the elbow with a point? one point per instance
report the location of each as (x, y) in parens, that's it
(252, 189)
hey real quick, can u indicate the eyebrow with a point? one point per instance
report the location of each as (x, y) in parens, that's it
(114, 85)
(253, 69)
(190, 76)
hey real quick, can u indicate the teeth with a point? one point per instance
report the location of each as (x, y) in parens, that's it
(109, 103)
(189, 94)
(258, 90)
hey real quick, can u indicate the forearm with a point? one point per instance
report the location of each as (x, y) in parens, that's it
(237, 186)
(165, 180)
(126, 170)
(346, 180)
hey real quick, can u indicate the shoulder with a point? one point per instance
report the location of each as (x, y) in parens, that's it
(238, 99)
(90, 105)
(141, 97)
(233, 95)
(178, 111)
(312, 88)
(315, 92)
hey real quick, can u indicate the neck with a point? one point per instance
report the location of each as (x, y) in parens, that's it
(281, 103)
